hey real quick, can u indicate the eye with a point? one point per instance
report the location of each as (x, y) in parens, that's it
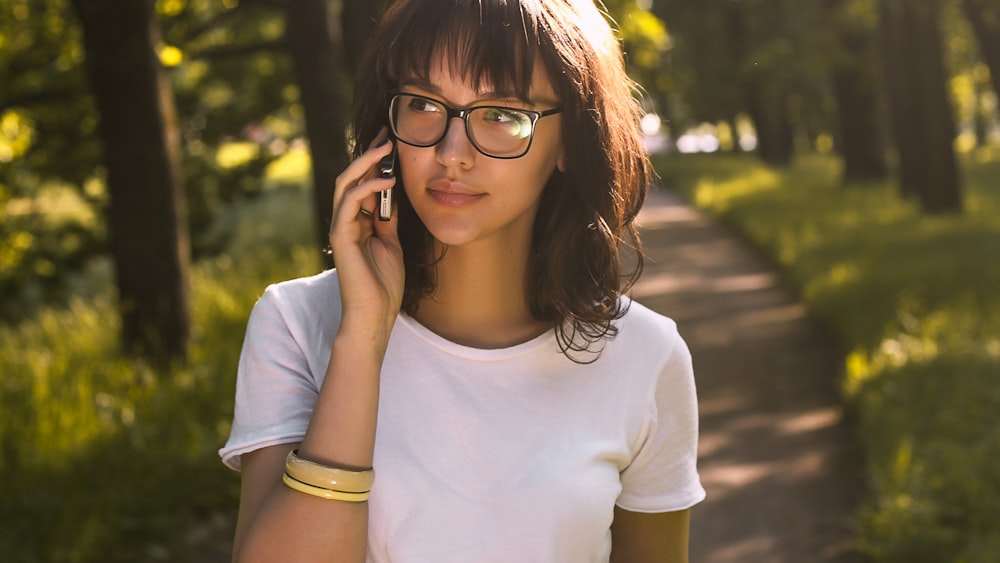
(510, 121)
(501, 115)
(420, 105)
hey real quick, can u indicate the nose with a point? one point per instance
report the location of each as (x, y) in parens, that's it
(455, 149)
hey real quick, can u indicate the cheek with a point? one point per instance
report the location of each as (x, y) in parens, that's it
(405, 156)
(552, 155)
(409, 167)
(543, 168)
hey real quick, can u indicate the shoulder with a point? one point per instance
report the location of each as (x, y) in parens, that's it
(304, 296)
(282, 363)
(641, 325)
(648, 350)
(324, 286)
(306, 309)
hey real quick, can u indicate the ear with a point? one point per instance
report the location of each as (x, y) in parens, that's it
(561, 160)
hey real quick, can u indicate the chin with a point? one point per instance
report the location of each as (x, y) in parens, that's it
(451, 235)
(448, 228)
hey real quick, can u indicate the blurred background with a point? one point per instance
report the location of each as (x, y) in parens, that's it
(157, 171)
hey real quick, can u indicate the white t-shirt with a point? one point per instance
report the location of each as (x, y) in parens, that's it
(515, 454)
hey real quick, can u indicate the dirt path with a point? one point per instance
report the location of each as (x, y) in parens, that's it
(776, 458)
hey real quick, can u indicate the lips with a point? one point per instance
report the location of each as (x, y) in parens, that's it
(453, 194)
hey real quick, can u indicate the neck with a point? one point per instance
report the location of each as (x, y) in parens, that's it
(480, 298)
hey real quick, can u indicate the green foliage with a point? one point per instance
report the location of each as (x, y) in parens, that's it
(645, 43)
(41, 58)
(43, 237)
(232, 81)
(721, 51)
(47, 128)
(101, 458)
(971, 92)
(913, 300)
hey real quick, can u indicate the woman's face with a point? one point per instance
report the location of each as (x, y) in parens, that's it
(465, 197)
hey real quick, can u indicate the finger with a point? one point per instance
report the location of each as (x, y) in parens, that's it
(383, 134)
(359, 169)
(357, 204)
(356, 223)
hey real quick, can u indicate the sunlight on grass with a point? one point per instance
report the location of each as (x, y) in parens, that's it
(291, 167)
(65, 419)
(54, 204)
(914, 302)
(718, 196)
(232, 155)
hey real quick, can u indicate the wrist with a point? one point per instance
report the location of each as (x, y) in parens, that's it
(364, 333)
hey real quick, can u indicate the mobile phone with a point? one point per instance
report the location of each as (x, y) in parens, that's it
(386, 169)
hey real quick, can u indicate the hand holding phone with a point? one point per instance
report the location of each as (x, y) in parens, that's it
(386, 169)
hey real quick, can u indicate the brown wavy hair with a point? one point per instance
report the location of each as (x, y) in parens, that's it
(586, 214)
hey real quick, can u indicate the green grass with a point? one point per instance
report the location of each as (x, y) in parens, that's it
(914, 301)
(103, 459)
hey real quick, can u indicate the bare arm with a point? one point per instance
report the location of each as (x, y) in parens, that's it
(646, 538)
(275, 522)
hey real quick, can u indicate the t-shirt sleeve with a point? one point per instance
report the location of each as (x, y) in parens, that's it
(663, 474)
(275, 391)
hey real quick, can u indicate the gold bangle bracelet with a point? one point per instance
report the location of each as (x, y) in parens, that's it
(325, 477)
(321, 492)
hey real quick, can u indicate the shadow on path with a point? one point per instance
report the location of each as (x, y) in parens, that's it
(778, 462)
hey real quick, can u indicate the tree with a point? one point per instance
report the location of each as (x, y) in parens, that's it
(984, 17)
(760, 58)
(146, 213)
(320, 56)
(922, 122)
(765, 92)
(855, 87)
(318, 74)
(705, 65)
(357, 21)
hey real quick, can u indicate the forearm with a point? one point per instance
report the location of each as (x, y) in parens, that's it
(293, 526)
(342, 429)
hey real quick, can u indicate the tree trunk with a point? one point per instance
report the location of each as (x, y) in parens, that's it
(762, 97)
(854, 85)
(146, 214)
(980, 118)
(357, 22)
(903, 108)
(984, 17)
(320, 78)
(734, 126)
(775, 137)
(922, 121)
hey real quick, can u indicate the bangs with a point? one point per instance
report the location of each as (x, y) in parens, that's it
(490, 44)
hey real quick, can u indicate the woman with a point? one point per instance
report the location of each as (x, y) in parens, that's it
(526, 410)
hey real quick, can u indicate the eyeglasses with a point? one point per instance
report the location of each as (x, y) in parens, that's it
(495, 131)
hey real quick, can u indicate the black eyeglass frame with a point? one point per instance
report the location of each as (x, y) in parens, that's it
(463, 114)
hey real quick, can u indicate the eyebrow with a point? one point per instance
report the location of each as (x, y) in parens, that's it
(488, 94)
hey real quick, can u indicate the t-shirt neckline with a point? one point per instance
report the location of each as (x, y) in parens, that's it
(470, 352)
